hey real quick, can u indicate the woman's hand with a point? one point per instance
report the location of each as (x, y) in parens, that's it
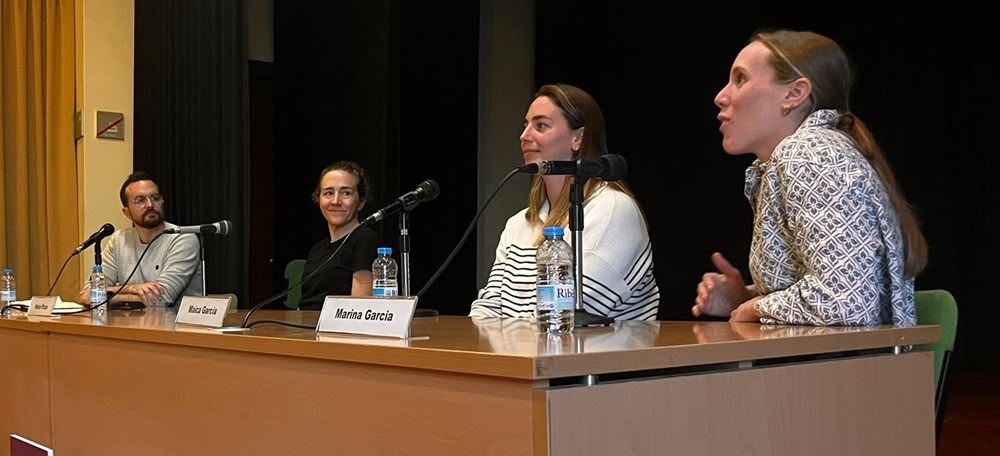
(720, 293)
(746, 312)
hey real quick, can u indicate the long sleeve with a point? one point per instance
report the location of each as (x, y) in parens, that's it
(179, 266)
(172, 260)
(618, 280)
(618, 260)
(512, 277)
(827, 247)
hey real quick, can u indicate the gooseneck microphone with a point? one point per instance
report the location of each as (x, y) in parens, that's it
(610, 167)
(426, 191)
(221, 228)
(102, 233)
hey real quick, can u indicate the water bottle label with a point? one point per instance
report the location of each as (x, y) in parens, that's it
(98, 296)
(556, 297)
(8, 295)
(380, 292)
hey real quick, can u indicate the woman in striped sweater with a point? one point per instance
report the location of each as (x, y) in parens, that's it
(564, 122)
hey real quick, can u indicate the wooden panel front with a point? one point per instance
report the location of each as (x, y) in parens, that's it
(24, 387)
(119, 397)
(876, 405)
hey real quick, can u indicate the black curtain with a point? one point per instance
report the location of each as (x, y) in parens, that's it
(391, 85)
(332, 93)
(656, 77)
(191, 114)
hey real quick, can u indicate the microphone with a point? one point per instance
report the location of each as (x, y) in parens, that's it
(221, 228)
(610, 167)
(426, 191)
(105, 231)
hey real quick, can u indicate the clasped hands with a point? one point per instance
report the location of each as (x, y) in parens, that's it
(724, 293)
(148, 292)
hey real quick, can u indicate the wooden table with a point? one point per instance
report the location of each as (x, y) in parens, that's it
(138, 384)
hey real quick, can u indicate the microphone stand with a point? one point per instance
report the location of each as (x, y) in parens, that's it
(404, 252)
(201, 253)
(580, 316)
(97, 252)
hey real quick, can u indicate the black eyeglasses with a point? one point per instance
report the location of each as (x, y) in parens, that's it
(141, 200)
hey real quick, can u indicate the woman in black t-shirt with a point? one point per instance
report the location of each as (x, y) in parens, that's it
(344, 260)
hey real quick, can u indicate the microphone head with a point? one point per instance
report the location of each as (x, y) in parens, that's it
(591, 168)
(615, 167)
(106, 230)
(224, 227)
(530, 168)
(428, 190)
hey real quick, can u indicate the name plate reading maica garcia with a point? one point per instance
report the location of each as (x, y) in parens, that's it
(202, 311)
(372, 316)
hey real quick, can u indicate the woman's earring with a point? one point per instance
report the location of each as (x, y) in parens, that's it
(785, 109)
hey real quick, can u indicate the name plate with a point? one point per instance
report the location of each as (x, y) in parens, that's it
(371, 316)
(42, 306)
(202, 311)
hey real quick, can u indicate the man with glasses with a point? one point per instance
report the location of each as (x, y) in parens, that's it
(168, 266)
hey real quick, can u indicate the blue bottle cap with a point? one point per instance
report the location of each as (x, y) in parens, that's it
(8, 271)
(550, 231)
(98, 268)
(385, 250)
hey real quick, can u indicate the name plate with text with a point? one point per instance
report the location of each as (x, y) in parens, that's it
(42, 306)
(372, 316)
(195, 310)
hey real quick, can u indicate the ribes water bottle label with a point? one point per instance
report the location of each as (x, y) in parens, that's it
(7, 295)
(556, 297)
(98, 296)
(384, 292)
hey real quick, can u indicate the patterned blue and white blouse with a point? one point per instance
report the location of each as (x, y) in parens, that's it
(827, 245)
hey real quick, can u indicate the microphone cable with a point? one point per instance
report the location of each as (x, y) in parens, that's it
(24, 308)
(107, 300)
(91, 307)
(468, 231)
(63, 268)
(292, 287)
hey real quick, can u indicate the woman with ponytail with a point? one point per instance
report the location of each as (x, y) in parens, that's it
(834, 240)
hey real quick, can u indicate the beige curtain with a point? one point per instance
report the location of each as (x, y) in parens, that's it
(39, 218)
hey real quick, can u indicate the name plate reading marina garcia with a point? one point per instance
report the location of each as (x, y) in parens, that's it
(389, 317)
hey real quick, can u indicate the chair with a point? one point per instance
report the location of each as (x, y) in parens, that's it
(938, 307)
(293, 273)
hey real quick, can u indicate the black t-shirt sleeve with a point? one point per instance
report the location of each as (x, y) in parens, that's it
(366, 249)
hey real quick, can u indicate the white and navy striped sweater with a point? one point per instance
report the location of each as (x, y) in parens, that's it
(617, 263)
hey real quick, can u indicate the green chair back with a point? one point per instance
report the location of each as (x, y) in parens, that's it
(938, 307)
(293, 274)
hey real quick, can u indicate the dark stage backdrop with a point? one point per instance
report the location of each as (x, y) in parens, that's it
(656, 77)
(191, 123)
(393, 85)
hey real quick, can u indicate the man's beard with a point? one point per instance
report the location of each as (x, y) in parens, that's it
(150, 222)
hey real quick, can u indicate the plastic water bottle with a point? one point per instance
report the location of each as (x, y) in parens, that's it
(555, 285)
(8, 290)
(98, 289)
(384, 272)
